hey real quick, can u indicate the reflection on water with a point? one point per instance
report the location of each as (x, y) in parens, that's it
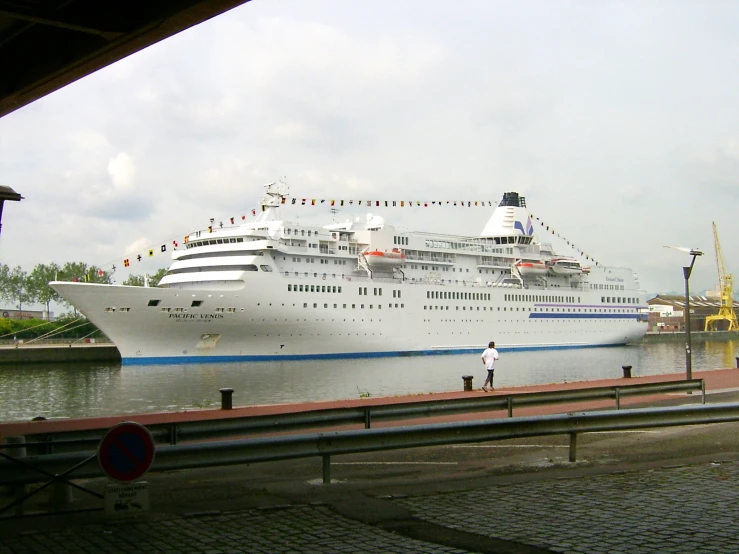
(79, 390)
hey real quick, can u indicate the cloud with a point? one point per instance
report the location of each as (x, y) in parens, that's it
(616, 122)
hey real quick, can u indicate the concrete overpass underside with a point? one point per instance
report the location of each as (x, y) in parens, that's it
(47, 44)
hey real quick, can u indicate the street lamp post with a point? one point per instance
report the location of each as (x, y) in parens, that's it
(7, 193)
(687, 270)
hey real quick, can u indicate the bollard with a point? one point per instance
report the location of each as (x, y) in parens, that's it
(226, 400)
(627, 371)
(467, 382)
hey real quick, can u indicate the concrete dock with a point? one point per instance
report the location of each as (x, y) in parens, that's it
(661, 490)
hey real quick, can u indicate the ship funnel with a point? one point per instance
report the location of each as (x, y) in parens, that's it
(509, 218)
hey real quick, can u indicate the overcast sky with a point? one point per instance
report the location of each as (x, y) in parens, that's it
(618, 121)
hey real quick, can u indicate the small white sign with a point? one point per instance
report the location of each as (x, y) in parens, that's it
(127, 500)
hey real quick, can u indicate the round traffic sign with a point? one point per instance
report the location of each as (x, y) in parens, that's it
(126, 452)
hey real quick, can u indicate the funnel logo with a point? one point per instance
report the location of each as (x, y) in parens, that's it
(529, 230)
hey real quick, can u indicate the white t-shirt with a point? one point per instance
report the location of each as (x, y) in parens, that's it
(489, 357)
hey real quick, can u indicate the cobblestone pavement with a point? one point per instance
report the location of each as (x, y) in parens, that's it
(288, 529)
(690, 509)
(679, 509)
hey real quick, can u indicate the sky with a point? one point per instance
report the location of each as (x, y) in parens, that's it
(618, 121)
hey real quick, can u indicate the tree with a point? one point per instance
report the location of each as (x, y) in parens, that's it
(15, 287)
(38, 282)
(140, 280)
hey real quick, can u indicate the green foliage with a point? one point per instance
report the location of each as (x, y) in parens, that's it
(38, 282)
(18, 287)
(15, 287)
(140, 280)
(63, 327)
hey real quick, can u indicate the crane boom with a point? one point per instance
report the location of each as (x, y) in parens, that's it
(726, 288)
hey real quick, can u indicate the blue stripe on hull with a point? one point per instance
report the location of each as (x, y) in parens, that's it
(338, 356)
(539, 315)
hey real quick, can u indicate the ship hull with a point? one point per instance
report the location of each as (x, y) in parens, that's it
(265, 320)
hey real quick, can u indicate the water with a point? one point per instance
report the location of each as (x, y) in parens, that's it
(85, 390)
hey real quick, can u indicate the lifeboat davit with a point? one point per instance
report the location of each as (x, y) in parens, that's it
(565, 266)
(376, 258)
(531, 268)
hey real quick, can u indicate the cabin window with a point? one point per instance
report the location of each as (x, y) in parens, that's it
(197, 303)
(154, 302)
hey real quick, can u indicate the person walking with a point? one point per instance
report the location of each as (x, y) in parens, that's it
(488, 358)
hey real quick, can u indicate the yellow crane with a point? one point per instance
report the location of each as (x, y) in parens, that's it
(726, 289)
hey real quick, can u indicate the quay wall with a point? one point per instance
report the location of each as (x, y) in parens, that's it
(58, 354)
(55, 353)
(695, 336)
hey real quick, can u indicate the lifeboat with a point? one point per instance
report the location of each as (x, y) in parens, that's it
(377, 258)
(531, 268)
(565, 266)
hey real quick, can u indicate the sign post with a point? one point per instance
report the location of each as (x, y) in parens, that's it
(125, 454)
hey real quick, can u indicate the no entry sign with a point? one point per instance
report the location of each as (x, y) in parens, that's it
(126, 452)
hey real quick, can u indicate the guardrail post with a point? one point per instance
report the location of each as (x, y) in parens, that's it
(510, 406)
(326, 469)
(367, 418)
(18, 491)
(618, 398)
(573, 447)
(703, 391)
(173, 434)
(60, 495)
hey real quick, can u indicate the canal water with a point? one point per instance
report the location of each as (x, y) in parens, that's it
(88, 390)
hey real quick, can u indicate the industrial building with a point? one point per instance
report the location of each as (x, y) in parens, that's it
(667, 313)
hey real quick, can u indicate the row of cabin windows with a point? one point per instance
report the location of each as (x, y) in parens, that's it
(194, 304)
(320, 260)
(539, 298)
(217, 310)
(618, 300)
(400, 240)
(569, 299)
(314, 288)
(443, 295)
(377, 292)
(354, 306)
(608, 287)
(324, 275)
(302, 232)
(193, 244)
(436, 268)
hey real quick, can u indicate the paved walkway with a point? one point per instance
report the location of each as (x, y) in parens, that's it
(670, 490)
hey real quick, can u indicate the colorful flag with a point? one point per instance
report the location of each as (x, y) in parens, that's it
(126, 262)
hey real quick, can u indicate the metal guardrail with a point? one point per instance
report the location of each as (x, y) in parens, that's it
(34, 469)
(187, 431)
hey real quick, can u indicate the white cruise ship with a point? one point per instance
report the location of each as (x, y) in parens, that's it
(273, 289)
